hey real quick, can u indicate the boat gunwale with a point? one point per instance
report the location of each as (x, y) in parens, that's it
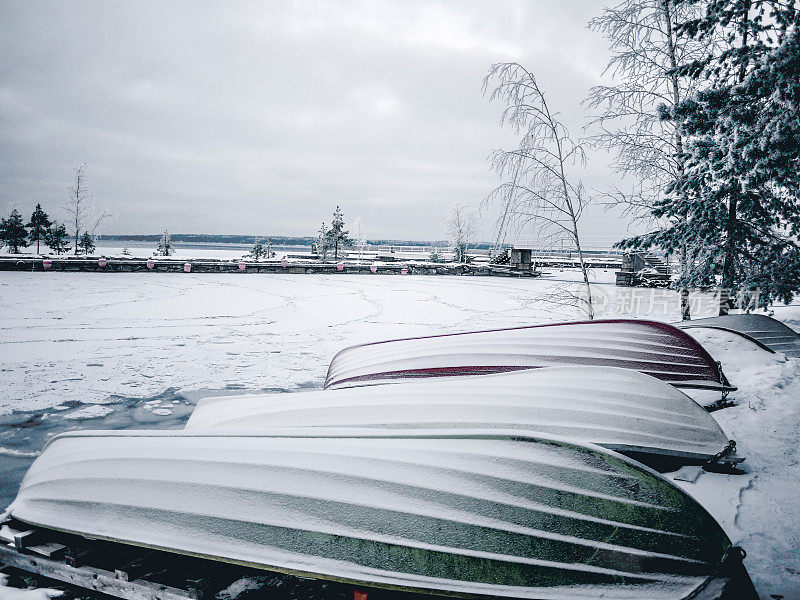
(429, 591)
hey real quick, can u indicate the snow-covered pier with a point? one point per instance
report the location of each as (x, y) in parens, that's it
(204, 265)
(117, 264)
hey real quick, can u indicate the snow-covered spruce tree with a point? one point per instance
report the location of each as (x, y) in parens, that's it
(647, 150)
(257, 251)
(322, 242)
(737, 204)
(13, 233)
(56, 238)
(165, 246)
(38, 226)
(338, 236)
(86, 243)
(540, 189)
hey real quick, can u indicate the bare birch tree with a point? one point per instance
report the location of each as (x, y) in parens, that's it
(648, 149)
(78, 206)
(80, 209)
(540, 188)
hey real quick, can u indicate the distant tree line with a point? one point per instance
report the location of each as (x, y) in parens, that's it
(276, 240)
(207, 238)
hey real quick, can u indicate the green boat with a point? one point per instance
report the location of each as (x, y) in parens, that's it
(472, 513)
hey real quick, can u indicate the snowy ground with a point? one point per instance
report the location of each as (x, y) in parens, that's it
(95, 350)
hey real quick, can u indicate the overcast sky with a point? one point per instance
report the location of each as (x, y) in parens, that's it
(261, 117)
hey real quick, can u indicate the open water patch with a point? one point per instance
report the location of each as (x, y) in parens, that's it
(23, 434)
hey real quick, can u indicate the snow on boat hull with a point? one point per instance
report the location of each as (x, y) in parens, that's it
(473, 514)
(615, 408)
(653, 348)
(762, 330)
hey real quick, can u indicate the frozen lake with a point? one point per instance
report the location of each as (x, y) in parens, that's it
(135, 350)
(93, 337)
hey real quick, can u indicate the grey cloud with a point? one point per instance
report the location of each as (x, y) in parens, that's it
(262, 116)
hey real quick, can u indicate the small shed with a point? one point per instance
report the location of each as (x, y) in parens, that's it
(521, 258)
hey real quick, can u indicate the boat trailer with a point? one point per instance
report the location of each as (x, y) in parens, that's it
(135, 573)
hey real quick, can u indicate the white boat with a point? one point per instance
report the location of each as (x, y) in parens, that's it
(468, 513)
(769, 333)
(650, 347)
(615, 408)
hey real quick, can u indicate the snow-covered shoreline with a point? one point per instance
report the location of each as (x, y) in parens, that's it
(78, 344)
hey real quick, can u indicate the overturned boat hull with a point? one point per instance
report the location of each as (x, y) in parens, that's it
(615, 408)
(468, 513)
(766, 332)
(650, 347)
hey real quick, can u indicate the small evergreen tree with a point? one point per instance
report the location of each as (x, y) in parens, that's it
(322, 242)
(56, 238)
(165, 246)
(125, 251)
(13, 233)
(258, 250)
(85, 243)
(337, 235)
(38, 226)
(268, 253)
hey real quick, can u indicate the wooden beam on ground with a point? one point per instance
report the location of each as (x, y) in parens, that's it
(92, 578)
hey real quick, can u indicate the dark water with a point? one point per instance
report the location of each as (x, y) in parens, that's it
(23, 434)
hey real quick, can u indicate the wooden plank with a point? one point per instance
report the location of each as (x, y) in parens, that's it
(20, 538)
(93, 579)
(77, 556)
(48, 549)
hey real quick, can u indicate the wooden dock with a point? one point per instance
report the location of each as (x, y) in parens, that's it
(171, 265)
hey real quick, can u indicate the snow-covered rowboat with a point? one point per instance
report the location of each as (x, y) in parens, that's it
(650, 347)
(469, 513)
(769, 333)
(619, 409)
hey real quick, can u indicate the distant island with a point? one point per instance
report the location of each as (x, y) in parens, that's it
(278, 240)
